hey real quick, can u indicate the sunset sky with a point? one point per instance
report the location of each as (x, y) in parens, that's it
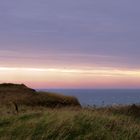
(70, 43)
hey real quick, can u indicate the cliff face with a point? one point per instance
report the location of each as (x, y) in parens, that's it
(21, 94)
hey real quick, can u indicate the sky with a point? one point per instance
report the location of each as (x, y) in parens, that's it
(70, 43)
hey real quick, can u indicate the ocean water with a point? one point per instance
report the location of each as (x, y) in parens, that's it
(102, 97)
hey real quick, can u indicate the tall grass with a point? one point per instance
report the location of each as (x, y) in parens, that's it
(69, 124)
(29, 115)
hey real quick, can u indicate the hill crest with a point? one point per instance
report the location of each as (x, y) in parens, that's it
(23, 95)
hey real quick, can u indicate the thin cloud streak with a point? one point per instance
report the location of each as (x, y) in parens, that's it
(97, 72)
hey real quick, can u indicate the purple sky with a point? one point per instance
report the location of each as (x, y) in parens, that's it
(42, 33)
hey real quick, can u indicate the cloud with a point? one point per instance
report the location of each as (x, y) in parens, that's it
(70, 32)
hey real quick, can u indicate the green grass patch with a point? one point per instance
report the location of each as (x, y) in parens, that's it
(69, 124)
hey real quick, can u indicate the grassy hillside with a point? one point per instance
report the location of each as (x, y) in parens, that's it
(69, 124)
(22, 95)
(40, 116)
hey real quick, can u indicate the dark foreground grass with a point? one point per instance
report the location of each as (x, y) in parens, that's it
(29, 115)
(69, 124)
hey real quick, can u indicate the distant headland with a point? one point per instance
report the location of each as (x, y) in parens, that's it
(20, 94)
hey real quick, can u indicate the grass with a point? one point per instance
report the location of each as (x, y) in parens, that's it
(19, 94)
(53, 100)
(29, 115)
(69, 124)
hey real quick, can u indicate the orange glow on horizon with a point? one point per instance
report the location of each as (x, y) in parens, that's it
(71, 78)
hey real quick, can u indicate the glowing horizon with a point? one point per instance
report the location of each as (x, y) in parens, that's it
(71, 78)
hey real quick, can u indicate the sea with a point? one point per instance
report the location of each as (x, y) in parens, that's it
(102, 97)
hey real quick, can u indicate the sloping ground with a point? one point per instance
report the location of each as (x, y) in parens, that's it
(68, 124)
(20, 94)
(14, 92)
(36, 122)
